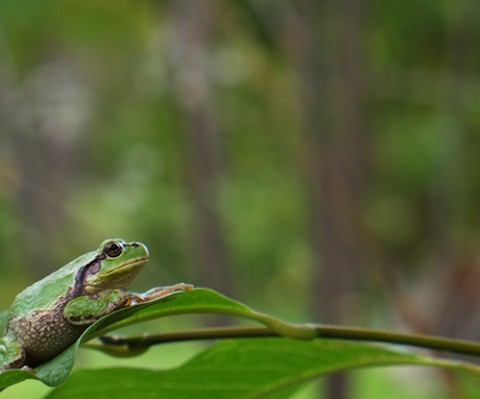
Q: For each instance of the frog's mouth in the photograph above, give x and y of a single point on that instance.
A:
(132, 265)
(119, 277)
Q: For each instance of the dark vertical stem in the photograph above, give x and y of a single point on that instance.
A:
(324, 40)
(192, 29)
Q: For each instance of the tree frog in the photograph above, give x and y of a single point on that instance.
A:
(50, 315)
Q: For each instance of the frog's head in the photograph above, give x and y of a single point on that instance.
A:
(116, 264)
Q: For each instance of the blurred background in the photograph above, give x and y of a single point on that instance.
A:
(318, 160)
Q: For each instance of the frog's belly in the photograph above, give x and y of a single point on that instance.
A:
(44, 334)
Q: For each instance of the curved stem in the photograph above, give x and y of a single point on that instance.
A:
(322, 331)
(418, 340)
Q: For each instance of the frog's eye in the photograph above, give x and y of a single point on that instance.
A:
(112, 249)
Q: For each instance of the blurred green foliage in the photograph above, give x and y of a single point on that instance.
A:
(121, 118)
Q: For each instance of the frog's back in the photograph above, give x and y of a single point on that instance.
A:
(51, 288)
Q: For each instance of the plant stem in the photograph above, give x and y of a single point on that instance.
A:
(419, 340)
(322, 331)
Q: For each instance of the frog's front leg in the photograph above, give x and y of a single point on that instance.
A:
(86, 309)
(12, 354)
(159, 292)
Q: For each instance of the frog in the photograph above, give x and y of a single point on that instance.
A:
(50, 315)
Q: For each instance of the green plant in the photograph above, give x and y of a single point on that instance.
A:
(269, 361)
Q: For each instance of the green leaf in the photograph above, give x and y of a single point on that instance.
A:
(199, 300)
(57, 370)
(247, 359)
(244, 368)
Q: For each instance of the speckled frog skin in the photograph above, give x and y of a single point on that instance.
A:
(51, 314)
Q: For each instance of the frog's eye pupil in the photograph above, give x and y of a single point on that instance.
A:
(112, 249)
